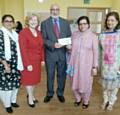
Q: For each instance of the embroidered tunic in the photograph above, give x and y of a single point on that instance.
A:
(9, 81)
(84, 56)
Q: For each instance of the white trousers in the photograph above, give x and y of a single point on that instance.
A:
(8, 97)
(110, 96)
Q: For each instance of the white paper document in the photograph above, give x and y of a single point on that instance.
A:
(64, 41)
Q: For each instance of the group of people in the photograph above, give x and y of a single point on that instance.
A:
(90, 54)
(21, 57)
(20, 61)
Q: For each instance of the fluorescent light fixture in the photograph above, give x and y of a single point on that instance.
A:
(41, 1)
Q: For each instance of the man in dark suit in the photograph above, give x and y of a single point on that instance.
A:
(52, 29)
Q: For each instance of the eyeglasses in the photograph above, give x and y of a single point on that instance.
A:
(54, 9)
(80, 24)
(7, 21)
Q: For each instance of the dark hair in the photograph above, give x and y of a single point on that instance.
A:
(116, 15)
(83, 18)
(18, 27)
(7, 15)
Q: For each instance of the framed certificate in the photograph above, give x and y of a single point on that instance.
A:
(64, 41)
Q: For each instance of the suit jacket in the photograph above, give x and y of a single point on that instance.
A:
(50, 38)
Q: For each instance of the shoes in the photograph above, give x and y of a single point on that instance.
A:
(9, 109)
(35, 101)
(109, 107)
(14, 105)
(104, 105)
(47, 99)
(76, 104)
(61, 99)
(30, 105)
(85, 106)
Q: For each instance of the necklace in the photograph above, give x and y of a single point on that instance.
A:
(34, 32)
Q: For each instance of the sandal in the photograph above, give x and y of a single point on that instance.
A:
(85, 106)
(76, 104)
(35, 101)
(104, 105)
(109, 108)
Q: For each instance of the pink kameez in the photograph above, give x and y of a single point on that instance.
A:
(84, 56)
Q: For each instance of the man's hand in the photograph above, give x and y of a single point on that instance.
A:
(57, 45)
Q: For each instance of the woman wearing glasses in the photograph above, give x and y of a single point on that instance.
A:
(10, 63)
(83, 62)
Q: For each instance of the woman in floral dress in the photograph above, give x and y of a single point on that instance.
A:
(10, 63)
(110, 60)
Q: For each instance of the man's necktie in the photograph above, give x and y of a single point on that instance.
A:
(56, 28)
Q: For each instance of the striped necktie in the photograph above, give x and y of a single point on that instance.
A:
(56, 28)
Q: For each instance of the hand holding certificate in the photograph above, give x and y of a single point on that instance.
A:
(64, 41)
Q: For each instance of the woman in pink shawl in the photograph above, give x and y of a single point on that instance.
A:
(83, 61)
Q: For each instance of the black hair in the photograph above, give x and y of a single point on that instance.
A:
(85, 18)
(18, 27)
(7, 15)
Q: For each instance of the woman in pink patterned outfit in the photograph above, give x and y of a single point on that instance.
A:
(109, 42)
(83, 61)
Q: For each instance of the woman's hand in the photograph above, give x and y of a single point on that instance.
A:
(69, 47)
(7, 68)
(30, 68)
(94, 71)
(42, 63)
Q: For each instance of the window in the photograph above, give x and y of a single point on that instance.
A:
(96, 16)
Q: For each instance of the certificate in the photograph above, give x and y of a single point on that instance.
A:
(64, 41)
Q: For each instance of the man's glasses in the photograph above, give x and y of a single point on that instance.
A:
(54, 9)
